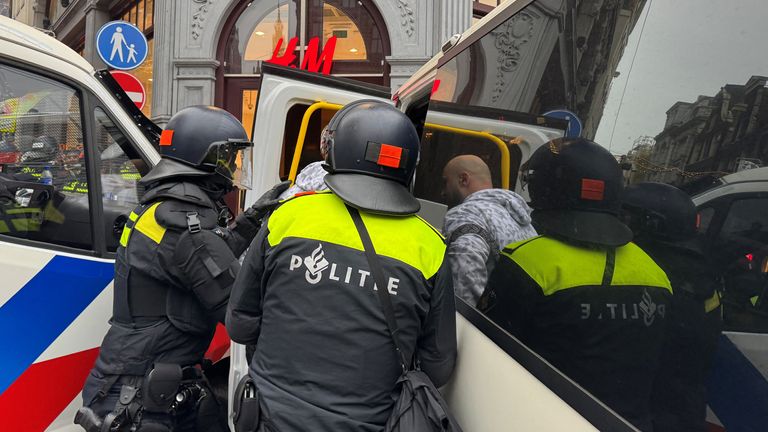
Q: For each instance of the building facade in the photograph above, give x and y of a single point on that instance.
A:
(714, 136)
(210, 51)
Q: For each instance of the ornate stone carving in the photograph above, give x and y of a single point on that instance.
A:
(407, 17)
(198, 18)
(508, 40)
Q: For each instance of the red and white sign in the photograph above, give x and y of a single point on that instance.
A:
(132, 87)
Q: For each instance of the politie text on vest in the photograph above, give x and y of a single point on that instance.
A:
(316, 264)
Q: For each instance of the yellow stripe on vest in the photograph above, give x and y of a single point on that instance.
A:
(146, 224)
(127, 230)
(556, 265)
(125, 236)
(324, 217)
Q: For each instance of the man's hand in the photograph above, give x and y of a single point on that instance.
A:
(266, 202)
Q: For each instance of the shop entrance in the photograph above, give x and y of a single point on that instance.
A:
(256, 28)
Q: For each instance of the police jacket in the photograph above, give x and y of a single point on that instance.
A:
(173, 275)
(324, 359)
(598, 315)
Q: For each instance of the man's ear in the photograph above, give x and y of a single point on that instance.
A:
(464, 179)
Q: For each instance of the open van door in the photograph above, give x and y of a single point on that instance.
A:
(292, 109)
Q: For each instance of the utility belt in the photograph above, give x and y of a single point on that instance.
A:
(166, 389)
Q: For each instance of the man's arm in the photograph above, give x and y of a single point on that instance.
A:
(468, 255)
(244, 311)
(436, 348)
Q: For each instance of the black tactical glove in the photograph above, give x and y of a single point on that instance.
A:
(247, 224)
(266, 203)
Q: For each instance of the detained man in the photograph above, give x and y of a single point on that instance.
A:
(481, 220)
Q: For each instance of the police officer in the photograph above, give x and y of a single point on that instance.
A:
(663, 219)
(173, 275)
(581, 294)
(324, 358)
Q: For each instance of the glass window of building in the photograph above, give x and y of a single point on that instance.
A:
(261, 30)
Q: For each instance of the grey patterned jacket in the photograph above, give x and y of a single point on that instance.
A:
(311, 178)
(477, 230)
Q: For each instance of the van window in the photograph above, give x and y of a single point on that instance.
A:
(311, 150)
(43, 182)
(120, 169)
(742, 248)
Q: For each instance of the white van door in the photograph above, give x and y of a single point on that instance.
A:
(293, 107)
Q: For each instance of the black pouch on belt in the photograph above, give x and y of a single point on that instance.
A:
(247, 412)
(160, 387)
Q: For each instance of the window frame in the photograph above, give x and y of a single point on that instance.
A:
(97, 104)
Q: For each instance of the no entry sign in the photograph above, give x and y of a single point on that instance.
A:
(132, 87)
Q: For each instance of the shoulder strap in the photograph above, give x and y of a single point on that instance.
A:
(510, 250)
(378, 276)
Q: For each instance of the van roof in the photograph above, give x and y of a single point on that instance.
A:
(29, 37)
(755, 174)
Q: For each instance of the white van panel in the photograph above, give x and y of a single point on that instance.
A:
(276, 96)
(490, 391)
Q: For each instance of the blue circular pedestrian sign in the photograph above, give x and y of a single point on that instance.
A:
(121, 45)
(574, 124)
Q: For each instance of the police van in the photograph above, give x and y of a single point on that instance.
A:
(530, 71)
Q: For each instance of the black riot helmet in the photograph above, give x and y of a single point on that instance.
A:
(373, 150)
(575, 187)
(660, 211)
(203, 141)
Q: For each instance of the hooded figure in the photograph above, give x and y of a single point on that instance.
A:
(480, 223)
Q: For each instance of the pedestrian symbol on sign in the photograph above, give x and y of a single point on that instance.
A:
(122, 45)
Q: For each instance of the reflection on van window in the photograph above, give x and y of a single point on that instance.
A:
(742, 250)
(120, 175)
(677, 92)
(43, 182)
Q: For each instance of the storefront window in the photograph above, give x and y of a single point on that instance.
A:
(257, 32)
(253, 36)
(350, 44)
(263, 25)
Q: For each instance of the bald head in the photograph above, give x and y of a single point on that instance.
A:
(463, 176)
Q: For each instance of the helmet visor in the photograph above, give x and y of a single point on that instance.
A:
(232, 159)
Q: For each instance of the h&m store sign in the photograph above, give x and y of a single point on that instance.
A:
(313, 57)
